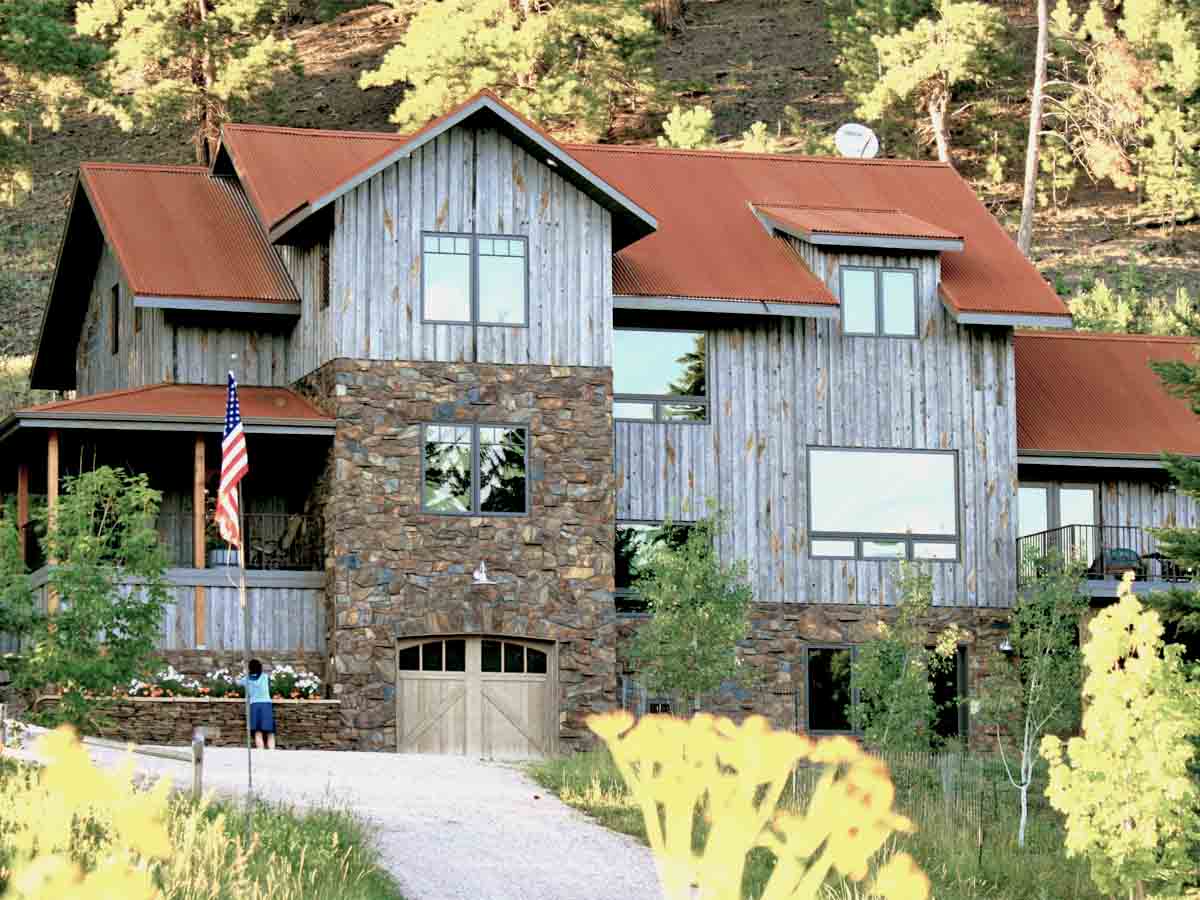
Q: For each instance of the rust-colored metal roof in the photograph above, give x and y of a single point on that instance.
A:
(174, 402)
(1092, 394)
(710, 244)
(837, 220)
(177, 232)
(284, 169)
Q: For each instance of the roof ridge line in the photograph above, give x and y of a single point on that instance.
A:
(786, 204)
(325, 132)
(780, 157)
(146, 167)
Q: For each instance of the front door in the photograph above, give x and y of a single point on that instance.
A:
(494, 698)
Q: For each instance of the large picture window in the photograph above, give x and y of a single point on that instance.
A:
(883, 504)
(634, 552)
(480, 279)
(660, 376)
(880, 302)
(474, 470)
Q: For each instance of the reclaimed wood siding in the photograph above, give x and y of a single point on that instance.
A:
(779, 385)
(468, 181)
(1145, 504)
(204, 354)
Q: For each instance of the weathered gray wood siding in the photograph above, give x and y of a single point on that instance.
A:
(166, 346)
(780, 385)
(467, 180)
(1145, 504)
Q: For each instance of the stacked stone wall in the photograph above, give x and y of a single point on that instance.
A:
(299, 724)
(395, 571)
(773, 653)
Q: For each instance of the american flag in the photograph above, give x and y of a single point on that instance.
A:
(234, 466)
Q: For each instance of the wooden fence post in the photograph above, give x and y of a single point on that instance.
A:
(197, 763)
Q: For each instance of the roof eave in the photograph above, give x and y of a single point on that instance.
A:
(636, 221)
(219, 304)
(1006, 319)
(731, 306)
(131, 421)
(1092, 460)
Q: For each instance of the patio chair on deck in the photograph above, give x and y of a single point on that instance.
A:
(1119, 560)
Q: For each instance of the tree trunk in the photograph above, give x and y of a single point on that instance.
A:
(1028, 198)
(1024, 813)
(938, 104)
(207, 77)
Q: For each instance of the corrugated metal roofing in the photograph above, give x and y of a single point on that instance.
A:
(710, 244)
(284, 169)
(188, 401)
(837, 220)
(1096, 394)
(177, 232)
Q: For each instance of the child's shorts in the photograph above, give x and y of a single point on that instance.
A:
(262, 718)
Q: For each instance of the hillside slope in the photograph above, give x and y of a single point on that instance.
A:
(746, 59)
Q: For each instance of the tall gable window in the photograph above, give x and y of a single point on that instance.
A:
(660, 376)
(881, 302)
(114, 320)
(883, 504)
(474, 279)
(474, 470)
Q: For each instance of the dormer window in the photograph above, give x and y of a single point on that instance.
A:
(879, 302)
(474, 279)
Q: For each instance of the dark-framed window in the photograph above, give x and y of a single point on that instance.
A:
(883, 504)
(829, 687)
(950, 693)
(634, 549)
(114, 322)
(480, 279)
(474, 469)
(323, 276)
(879, 301)
(660, 375)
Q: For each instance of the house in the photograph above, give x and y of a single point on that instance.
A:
(473, 344)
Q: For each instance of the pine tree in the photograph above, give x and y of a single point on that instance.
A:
(927, 63)
(687, 129)
(44, 66)
(194, 60)
(568, 65)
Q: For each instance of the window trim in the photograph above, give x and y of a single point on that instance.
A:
(808, 692)
(878, 272)
(629, 593)
(473, 255)
(909, 538)
(475, 510)
(660, 400)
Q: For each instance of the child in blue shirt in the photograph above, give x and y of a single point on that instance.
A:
(262, 713)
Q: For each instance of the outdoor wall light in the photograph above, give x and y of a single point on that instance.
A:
(1006, 647)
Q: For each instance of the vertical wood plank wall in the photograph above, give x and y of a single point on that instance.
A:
(781, 385)
(1144, 503)
(467, 180)
(169, 346)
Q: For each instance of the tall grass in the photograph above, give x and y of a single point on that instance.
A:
(965, 817)
(290, 854)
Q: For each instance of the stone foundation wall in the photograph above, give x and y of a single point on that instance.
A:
(779, 633)
(299, 724)
(396, 571)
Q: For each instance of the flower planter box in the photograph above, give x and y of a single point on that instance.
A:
(299, 724)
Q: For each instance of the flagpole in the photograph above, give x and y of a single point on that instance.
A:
(245, 605)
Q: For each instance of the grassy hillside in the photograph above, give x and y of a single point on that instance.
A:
(746, 59)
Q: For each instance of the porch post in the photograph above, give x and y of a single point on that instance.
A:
(22, 502)
(201, 608)
(51, 502)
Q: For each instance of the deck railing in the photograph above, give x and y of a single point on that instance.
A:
(1104, 552)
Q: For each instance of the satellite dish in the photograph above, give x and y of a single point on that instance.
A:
(856, 141)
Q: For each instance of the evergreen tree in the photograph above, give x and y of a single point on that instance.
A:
(928, 63)
(44, 65)
(1125, 310)
(194, 60)
(568, 64)
(854, 23)
(687, 129)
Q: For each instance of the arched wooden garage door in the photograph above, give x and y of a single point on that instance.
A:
(492, 697)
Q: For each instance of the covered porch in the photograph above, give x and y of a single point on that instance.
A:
(172, 434)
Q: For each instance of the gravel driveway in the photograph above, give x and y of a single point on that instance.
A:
(448, 828)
